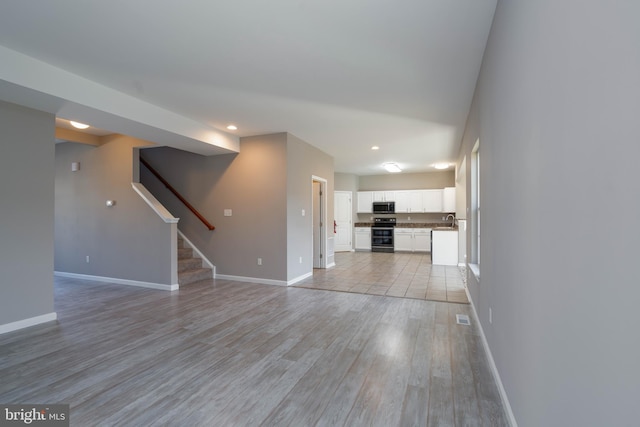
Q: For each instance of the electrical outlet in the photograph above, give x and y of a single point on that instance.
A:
(259, 261)
(87, 259)
(490, 315)
(300, 260)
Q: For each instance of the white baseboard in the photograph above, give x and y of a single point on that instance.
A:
(25, 323)
(262, 281)
(116, 281)
(299, 278)
(494, 369)
(333, 264)
(251, 280)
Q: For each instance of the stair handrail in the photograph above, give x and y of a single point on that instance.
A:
(175, 193)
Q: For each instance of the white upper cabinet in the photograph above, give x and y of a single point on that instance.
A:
(365, 201)
(410, 201)
(384, 196)
(449, 199)
(416, 201)
(432, 200)
(402, 201)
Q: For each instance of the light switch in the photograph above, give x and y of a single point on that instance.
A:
(303, 212)
(228, 212)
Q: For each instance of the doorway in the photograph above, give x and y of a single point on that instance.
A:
(319, 219)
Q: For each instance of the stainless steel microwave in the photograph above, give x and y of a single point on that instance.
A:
(384, 207)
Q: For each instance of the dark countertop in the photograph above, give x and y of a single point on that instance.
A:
(410, 224)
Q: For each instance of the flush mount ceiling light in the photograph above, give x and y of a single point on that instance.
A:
(232, 127)
(78, 125)
(392, 167)
(375, 147)
(441, 166)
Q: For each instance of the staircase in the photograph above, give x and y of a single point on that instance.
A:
(190, 269)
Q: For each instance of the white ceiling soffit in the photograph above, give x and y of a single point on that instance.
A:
(343, 76)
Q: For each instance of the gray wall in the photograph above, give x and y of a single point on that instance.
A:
(266, 186)
(346, 182)
(127, 241)
(303, 162)
(26, 213)
(407, 181)
(556, 111)
(253, 184)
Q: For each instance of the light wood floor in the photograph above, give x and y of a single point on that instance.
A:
(222, 353)
(400, 274)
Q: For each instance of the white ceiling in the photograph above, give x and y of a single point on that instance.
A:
(341, 75)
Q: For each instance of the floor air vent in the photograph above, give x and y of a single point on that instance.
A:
(462, 319)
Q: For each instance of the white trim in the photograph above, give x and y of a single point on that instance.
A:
(494, 369)
(200, 254)
(154, 203)
(475, 269)
(257, 280)
(25, 323)
(116, 281)
(333, 264)
(262, 281)
(299, 278)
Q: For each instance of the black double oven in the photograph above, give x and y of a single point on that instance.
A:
(382, 234)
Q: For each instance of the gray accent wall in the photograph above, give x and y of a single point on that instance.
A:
(26, 213)
(265, 187)
(128, 241)
(303, 162)
(556, 110)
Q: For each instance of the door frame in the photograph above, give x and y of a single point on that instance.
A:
(323, 220)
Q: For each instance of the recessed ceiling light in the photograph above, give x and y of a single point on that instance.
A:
(232, 127)
(392, 167)
(375, 147)
(441, 165)
(78, 125)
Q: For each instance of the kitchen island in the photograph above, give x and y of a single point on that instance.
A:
(444, 246)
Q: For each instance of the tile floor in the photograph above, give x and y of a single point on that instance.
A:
(404, 275)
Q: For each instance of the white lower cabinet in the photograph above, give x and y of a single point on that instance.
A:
(363, 238)
(403, 239)
(422, 239)
(412, 239)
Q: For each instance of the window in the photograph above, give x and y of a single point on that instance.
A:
(475, 210)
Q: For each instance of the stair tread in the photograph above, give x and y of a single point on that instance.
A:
(185, 264)
(195, 275)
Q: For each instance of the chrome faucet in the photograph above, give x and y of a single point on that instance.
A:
(453, 220)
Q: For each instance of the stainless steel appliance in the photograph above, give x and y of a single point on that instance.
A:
(384, 207)
(382, 234)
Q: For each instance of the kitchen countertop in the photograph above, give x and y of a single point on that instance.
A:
(411, 225)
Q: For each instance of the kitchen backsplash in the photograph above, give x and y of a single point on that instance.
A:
(408, 218)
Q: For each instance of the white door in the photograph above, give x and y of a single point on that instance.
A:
(342, 214)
